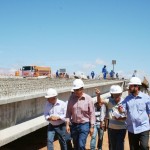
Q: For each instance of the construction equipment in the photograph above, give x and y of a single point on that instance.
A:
(36, 71)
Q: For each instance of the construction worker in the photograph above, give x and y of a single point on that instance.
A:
(55, 112)
(116, 126)
(104, 71)
(92, 74)
(80, 113)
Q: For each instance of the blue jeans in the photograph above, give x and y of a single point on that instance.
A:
(139, 141)
(60, 131)
(79, 133)
(117, 137)
(69, 141)
(100, 132)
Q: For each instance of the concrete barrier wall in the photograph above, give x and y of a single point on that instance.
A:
(17, 110)
(22, 115)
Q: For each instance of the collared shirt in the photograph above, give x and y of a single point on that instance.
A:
(58, 109)
(138, 110)
(112, 106)
(80, 110)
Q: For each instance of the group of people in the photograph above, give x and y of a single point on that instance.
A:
(111, 74)
(74, 120)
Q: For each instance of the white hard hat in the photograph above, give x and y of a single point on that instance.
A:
(115, 89)
(51, 93)
(77, 84)
(72, 90)
(135, 81)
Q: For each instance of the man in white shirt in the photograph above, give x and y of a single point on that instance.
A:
(55, 113)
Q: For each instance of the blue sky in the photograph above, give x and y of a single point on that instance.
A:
(79, 35)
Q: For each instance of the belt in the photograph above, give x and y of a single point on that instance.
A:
(73, 123)
(63, 124)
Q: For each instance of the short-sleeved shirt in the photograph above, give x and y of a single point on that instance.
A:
(138, 110)
(111, 106)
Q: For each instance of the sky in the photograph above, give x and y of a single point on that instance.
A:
(79, 35)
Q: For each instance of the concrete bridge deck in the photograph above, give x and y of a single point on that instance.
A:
(14, 87)
(22, 102)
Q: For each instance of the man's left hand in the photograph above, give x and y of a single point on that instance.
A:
(91, 131)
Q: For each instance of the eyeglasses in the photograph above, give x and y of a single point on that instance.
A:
(134, 85)
(116, 95)
(52, 98)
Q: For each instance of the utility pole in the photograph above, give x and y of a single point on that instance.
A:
(113, 63)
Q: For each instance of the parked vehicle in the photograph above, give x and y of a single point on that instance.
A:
(36, 71)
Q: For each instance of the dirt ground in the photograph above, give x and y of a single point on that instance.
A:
(37, 141)
(105, 144)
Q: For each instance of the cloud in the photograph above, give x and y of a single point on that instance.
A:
(7, 71)
(88, 66)
(140, 73)
(3, 70)
(100, 62)
(122, 74)
(95, 63)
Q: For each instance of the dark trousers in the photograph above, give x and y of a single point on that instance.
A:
(109, 144)
(117, 137)
(139, 141)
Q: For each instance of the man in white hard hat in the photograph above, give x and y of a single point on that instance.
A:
(116, 125)
(80, 112)
(55, 112)
(137, 107)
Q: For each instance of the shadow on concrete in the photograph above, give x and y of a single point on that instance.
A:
(32, 141)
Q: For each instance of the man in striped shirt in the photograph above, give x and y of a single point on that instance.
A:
(98, 128)
(116, 127)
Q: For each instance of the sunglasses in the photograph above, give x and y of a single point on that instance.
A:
(116, 95)
(134, 85)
